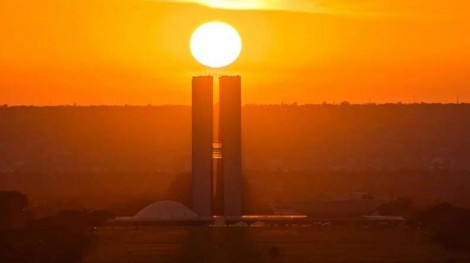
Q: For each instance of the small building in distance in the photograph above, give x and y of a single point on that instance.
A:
(163, 211)
(333, 206)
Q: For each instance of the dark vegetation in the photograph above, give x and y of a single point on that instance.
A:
(122, 158)
(13, 213)
(446, 224)
(402, 206)
(64, 236)
(59, 238)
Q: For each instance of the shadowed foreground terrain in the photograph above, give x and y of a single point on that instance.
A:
(265, 244)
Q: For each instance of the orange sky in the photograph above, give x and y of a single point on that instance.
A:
(307, 51)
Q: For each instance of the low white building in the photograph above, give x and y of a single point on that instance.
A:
(163, 211)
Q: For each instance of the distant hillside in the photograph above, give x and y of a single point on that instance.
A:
(277, 137)
(418, 136)
(95, 138)
(110, 154)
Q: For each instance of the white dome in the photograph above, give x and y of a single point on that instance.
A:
(166, 211)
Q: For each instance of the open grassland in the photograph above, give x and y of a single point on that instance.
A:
(266, 244)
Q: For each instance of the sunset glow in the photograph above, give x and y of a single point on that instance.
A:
(225, 131)
(215, 44)
(136, 52)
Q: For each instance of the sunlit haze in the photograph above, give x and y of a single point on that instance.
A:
(215, 44)
(223, 131)
(136, 52)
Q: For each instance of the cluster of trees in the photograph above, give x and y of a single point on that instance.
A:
(59, 238)
(446, 224)
(13, 214)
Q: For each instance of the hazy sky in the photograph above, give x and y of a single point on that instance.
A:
(306, 51)
(344, 7)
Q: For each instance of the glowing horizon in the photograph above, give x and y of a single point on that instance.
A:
(136, 52)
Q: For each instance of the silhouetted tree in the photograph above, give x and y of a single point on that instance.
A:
(56, 239)
(446, 224)
(403, 206)
(13, 213)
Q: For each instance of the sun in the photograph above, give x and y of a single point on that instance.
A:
(215, 44)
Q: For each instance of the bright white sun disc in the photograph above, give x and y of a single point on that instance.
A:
(215, 44)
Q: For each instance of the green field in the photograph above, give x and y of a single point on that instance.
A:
(266, 244)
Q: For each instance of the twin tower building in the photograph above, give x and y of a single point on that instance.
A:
(216, 148)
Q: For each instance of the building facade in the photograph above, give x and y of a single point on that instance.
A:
(202, 138)
(230, 138)
(216, 165)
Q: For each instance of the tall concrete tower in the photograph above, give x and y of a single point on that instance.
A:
(230, 137)
(216, 165)
(202, 138)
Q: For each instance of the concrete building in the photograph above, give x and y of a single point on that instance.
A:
(166, 210)
(216, 158)
(202, 138)
(216, 163)
(230, 137)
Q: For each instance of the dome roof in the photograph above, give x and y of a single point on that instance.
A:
(166, 211)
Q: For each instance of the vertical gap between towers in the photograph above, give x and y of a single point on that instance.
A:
(216, 140)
